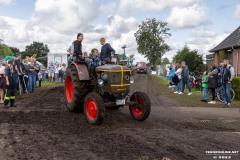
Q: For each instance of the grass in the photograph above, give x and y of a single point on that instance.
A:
(185, 100)
(48, 85)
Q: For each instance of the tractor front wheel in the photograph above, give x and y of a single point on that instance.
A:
(94, 108)
(141, 110)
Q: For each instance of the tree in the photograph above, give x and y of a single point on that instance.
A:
(150, 39)
(14, 50)
(193, 60)
(131, 58)
(5, 50)
(165, 61)
(37, 48)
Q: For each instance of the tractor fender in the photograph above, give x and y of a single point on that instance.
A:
(82, 70)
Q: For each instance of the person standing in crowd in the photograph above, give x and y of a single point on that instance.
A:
(17, 69)
(51, 72)
(26, 66)
(43, 68)
(172, 72)
(167, 75)
(205, 86)
(213, 81)
(185, 78)
(178, 73)
(11, 85)
(56, 75)
(77, 54)
(63, 68)
(32, 76)
(21, 77)
(37, 68)
(2, 79)
(227, 77)
(106, 51)
(40, 78)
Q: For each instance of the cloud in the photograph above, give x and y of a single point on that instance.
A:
(128, 7)
(6, 2)
(66, 16)
(236, 13)
(203, 32)
(188, 17)
(108, 8)
(204, 44)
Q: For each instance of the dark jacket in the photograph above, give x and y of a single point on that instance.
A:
(106, 51)
(185, 73)
(77, 48)
(213, 81)
(226, 74)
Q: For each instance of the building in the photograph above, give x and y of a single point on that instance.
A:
(59, 58)
(229, 49)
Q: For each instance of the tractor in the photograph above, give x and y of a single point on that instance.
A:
(109, 89)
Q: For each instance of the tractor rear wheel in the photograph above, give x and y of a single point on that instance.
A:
(94, 108)
(142, 109)
(75, 90)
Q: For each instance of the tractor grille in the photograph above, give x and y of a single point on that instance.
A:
(116, 78)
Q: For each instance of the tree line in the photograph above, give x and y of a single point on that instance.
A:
(150, 38)
(38, 48)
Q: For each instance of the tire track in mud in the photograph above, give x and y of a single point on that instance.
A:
(147, 83)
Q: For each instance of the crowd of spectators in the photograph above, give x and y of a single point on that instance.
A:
(26, 75)
(222, 75)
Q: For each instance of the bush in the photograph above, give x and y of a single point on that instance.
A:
(235, 86)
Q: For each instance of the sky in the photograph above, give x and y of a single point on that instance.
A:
(199, 24)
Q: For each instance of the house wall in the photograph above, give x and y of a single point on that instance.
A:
(216, 58)
(234, 60)
(234, 64)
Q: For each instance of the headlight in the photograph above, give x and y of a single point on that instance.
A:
(131, 80)
(100, 81)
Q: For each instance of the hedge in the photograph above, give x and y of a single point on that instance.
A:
(236, 86)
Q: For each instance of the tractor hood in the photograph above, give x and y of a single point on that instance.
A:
(112, 68)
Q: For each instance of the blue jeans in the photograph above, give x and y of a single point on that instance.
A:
(179, 87)
(205, 94)
(32, 82)
(56, 75)
(43, 76)
(226, 88)
(186, 82)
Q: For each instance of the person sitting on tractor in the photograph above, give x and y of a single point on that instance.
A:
(77, 54)
(106, 51)
(95, 61)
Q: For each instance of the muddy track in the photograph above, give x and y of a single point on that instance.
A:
(42, 128)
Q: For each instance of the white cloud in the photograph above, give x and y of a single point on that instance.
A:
(65, 16)
(203, 45)
(130, 6)
(203, 33)
(108, 8)
(188, 17)
(6, 2)
(236, 13)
